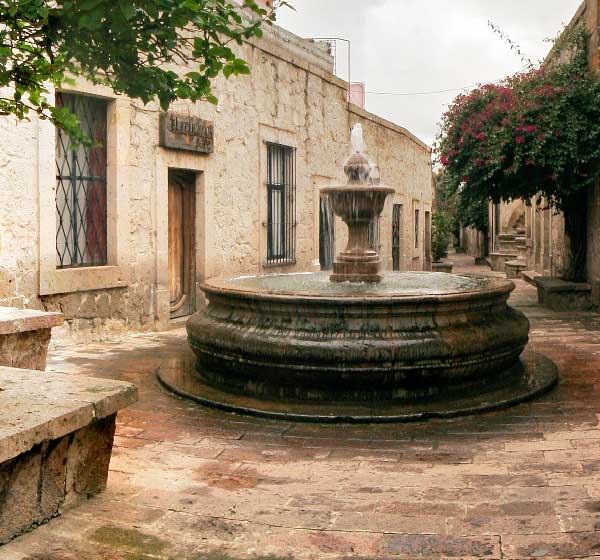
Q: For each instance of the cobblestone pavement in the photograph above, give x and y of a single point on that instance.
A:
(190, 483)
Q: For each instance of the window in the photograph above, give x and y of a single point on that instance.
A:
(81, 186)
(281, 199)
(396, 235)
(417, 229)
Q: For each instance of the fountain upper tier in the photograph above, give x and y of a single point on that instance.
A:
(358, 204)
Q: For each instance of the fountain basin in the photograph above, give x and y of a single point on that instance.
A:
(413, 337)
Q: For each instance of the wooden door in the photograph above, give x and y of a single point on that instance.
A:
(182, 265)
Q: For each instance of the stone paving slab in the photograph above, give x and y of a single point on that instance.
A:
(196, 484)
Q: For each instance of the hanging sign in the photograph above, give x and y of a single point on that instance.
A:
(180, 132)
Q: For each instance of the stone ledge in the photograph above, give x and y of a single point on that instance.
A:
(38, 407)
(13, 320)
(56, 438)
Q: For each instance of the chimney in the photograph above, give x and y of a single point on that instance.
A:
(356, 94)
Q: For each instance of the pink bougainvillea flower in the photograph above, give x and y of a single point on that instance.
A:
(531, 128)
(452, 153)
(520, 139)
(541, 137)
(478, 162)
(528, 162)
(518, 128)
(444, 160)
(480, 136)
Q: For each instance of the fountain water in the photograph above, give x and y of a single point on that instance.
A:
(360, 346)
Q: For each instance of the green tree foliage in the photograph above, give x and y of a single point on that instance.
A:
(462, 211)
(535, 135)
(441, 233)
(130, 45)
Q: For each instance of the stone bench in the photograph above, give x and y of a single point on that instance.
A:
(529, 276)
(442, 267)
(24, 337)
(561, 295)
(56, 436)
(500, 259)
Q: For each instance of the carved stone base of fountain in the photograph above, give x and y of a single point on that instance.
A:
(359, 346)
(416, 342)
(356, 271)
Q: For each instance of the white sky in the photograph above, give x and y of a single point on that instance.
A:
(426, 45)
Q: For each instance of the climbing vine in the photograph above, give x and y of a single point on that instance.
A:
(535, 135)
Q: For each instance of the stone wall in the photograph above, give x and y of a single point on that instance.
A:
(473, 242)
(290, 98)
(590, 12)
(54, 476)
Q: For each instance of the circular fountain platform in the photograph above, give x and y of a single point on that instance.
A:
(416, 345)
(533, 376)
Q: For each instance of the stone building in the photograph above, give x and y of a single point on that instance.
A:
(120, 237)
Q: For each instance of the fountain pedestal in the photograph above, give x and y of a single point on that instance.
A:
(358, 206)
(359, 203)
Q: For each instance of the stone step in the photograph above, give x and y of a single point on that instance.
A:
(506, 236)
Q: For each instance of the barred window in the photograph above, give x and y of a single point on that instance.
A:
(81, 186)
(281, 202)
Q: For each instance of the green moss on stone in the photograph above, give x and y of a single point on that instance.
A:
(129, 539)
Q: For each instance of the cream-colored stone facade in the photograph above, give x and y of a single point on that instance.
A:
(291, 98)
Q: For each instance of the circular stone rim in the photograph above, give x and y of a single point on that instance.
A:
(498, 287)
(539, 368)
(382, 189)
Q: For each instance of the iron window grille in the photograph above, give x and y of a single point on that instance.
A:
(281, 202)
(396, 235)
(81, 208)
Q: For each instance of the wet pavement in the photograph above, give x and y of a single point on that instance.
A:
(187, 482)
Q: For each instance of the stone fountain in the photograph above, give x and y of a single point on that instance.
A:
(358, 203)
(359, 346)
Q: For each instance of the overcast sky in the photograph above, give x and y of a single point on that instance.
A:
(408, 46)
